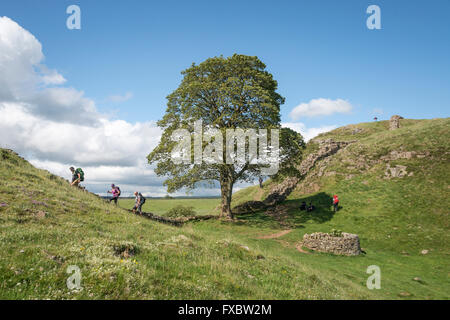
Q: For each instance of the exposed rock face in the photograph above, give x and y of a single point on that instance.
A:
(395, 155)
(395, 172)
(394, 122)
(347, 244)
(280, 192)
(357, 130)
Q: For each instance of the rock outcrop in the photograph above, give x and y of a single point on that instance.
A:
(395, 155)
(347, 244)
(394, 122)
(396, 172)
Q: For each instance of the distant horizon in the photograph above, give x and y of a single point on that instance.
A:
(129, 194)
(96, 105)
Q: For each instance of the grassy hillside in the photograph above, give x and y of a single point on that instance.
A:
(45, 226)
(396, 218)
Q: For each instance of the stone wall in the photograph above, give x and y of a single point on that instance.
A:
(282, 190)
(347, 244)
(175, 221)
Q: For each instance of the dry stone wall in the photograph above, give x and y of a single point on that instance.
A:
(347, 244)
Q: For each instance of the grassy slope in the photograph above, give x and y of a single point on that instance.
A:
(402, 218)
(396, 219)
(197, 261)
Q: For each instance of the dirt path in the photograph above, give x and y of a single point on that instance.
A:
(275, 235)
(299, 248)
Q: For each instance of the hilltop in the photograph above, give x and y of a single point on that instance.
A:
(393, 186)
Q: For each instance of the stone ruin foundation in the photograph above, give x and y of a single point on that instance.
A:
(347, 244)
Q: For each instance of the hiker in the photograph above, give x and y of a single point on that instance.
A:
(77, 176)
(115, 190)
(139, 202)
(335, 203)
(303, 206)
(310, 208)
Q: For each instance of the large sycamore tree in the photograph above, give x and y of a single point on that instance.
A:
(224, 93)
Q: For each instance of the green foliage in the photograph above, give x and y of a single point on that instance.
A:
(181, 211)
(225, 93)
(292, 146)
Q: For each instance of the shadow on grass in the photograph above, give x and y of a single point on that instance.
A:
(323, 208)
(258, 219)
(294, 217)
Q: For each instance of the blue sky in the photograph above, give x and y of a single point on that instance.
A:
(314, 49)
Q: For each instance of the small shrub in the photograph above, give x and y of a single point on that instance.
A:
(336, 233)
(181, 211)
(8, 157)
(5, 155)
(125, 249)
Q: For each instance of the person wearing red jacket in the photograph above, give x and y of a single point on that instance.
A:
(335, 203)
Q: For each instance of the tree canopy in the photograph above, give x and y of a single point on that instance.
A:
(225, 94)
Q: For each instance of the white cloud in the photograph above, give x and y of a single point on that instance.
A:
(307, 133)
(114, 142)
(20, 52)
(51, 77)
(57, 127)
(320, 107)
(119, 98)
(25, 80)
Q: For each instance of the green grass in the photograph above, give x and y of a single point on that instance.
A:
(161, 206)
(396, 219)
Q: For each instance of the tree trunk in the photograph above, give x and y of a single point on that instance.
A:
(226, 188)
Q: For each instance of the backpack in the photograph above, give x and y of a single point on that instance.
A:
(142, 198)
(118, 189)
(80, 171)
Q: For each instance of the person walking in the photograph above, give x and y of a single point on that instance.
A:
(115, 191)
(138, 203)
(77, 176)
